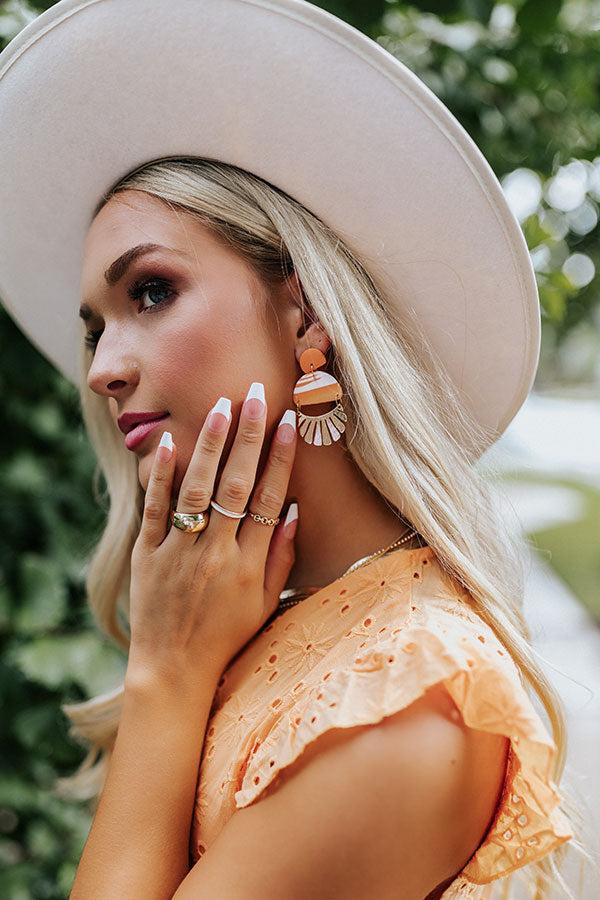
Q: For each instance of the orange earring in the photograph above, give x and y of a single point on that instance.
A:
(318, 387)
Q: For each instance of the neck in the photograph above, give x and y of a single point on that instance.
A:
(341, 516)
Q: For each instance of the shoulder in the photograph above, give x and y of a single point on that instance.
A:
(413, 794)
(405, 801)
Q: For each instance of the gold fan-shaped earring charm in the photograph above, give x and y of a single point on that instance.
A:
(318, 387)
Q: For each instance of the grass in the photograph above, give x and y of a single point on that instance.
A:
(574, 547)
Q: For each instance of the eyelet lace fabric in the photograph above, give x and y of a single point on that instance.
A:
(363, 648)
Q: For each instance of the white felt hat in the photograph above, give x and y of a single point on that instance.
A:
(92, 89)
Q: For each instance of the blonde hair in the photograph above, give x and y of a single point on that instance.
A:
(407, 432)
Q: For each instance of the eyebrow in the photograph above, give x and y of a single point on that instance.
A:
(119, 267)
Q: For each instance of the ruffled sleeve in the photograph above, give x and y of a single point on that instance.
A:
(439, 641)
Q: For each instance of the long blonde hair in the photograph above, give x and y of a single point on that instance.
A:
(407, 432)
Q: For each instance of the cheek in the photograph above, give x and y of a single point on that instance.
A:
(201, 351)
(113, 409)
(208, 357)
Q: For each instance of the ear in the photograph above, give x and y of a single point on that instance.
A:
(308, 330)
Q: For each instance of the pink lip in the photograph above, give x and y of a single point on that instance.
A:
(135, 437)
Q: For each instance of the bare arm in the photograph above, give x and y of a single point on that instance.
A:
(138, 845)
(392, 810)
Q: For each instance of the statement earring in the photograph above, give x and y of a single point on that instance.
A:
(318, 387)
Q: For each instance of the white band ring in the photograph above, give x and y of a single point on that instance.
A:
(227, 512)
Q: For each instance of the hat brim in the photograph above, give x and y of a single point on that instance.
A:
(92, 89)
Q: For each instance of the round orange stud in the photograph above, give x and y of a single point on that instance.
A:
(311, 359)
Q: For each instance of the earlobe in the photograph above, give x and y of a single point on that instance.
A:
(312, 336)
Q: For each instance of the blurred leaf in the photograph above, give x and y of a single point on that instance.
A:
(535, 233)
(66, 877)
(42, 840)
(17, 794)
(33, 724)
(43, 598)
(363, 16)
(13, 17)
(437, 7)
(82, 658)
(47, 420)
(537, 16)
(4, 607)
(26, 474)
(480, 10)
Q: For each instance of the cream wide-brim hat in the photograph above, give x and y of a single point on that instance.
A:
(92, 89)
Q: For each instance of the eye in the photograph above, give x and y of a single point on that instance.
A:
(151, 293)
(92, 338)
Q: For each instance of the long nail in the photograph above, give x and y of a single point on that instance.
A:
(255, 400)
(285, 433)
(220, 415)
(291, 521)
(165, 447)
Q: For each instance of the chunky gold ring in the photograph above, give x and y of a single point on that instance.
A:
(264, 520)
(190, 522)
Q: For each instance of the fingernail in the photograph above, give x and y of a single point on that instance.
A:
(287, 427)
(220, 415)
(291, 521)
(165, 447)
(255, 400)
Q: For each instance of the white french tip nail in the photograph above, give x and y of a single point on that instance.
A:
(166, 440)
(289, 418)
(256, 392)
(292, 514)
(223, 406)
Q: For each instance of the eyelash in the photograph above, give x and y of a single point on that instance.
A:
(135, 292)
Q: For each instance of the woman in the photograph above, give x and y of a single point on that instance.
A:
(369, 735)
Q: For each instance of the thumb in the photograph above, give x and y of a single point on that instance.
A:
(280, 557)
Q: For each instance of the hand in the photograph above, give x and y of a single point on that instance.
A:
(197, 599)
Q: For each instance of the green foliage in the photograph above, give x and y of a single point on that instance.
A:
(534, 17)
(363, 15)
(49, 651)
(522, 78)
(523, 82)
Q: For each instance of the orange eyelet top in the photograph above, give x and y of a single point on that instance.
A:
(362, 648)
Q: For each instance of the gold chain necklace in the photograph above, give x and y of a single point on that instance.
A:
(291, 596)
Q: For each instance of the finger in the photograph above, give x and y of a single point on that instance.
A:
(239, 473)
(280, 558)
(269, 494)
(198, 482)
(157, 503)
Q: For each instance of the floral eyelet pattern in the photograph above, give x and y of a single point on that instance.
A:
(360, 649)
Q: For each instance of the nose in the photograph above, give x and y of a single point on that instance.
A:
(114, 369)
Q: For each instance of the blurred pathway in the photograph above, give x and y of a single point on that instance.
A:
(560, 436)
(552, 435)
(569, 644)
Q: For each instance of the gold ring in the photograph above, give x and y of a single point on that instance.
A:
(264, 520)
(190, 522)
